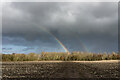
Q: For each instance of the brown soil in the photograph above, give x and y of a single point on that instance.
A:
(61, 69)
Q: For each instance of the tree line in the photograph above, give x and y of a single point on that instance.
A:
(74, 56)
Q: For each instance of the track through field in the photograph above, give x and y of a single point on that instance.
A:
(60, 69)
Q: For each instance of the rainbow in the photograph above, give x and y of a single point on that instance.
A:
(66, 50)
(62, 45)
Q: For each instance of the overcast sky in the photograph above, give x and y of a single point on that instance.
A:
(30, 26)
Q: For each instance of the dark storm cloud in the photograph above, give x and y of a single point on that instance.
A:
(95, 24)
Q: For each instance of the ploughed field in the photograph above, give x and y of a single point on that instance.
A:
(61, 69)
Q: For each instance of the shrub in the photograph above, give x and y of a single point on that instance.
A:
(60, 56)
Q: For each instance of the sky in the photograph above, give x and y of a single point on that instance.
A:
(79, 26)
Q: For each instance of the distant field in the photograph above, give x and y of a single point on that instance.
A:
(61, 69)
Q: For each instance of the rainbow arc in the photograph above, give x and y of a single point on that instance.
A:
(62, 45)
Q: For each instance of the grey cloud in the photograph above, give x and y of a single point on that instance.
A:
(28, 48)
(32, 22)
(6, 48)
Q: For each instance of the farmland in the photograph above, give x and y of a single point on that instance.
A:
(61, 69)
